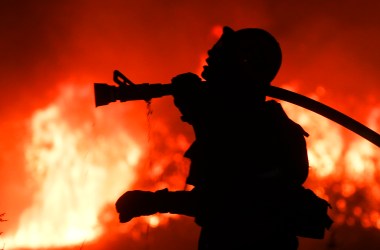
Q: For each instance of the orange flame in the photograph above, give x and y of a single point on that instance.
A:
(76, 172)
(82, 160)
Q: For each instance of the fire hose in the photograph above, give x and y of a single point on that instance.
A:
(128, 91)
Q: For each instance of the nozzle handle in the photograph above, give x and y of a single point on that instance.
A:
(121, 79)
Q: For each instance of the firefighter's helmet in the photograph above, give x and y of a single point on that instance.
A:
(252, 53)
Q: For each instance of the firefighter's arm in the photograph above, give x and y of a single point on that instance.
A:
(137, 203)
(188, 91)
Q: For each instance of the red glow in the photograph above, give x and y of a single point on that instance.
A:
(64, 162)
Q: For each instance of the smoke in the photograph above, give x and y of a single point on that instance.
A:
(329, 47)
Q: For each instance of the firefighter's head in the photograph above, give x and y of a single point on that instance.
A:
(247, 55)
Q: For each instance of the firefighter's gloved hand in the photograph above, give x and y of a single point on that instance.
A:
(187, 93)
(138, 203)
(185, 84)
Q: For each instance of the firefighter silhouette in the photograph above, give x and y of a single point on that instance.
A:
(249, 159)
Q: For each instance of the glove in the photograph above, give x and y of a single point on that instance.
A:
(138, 203)
(185, 84)
(187, 93)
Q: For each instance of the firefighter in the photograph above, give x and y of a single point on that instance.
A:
(248, 157)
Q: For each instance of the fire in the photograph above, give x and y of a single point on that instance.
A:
(75, 172)
(344, 169)
(81, 159)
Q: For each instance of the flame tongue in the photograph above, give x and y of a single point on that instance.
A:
(76, 175)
